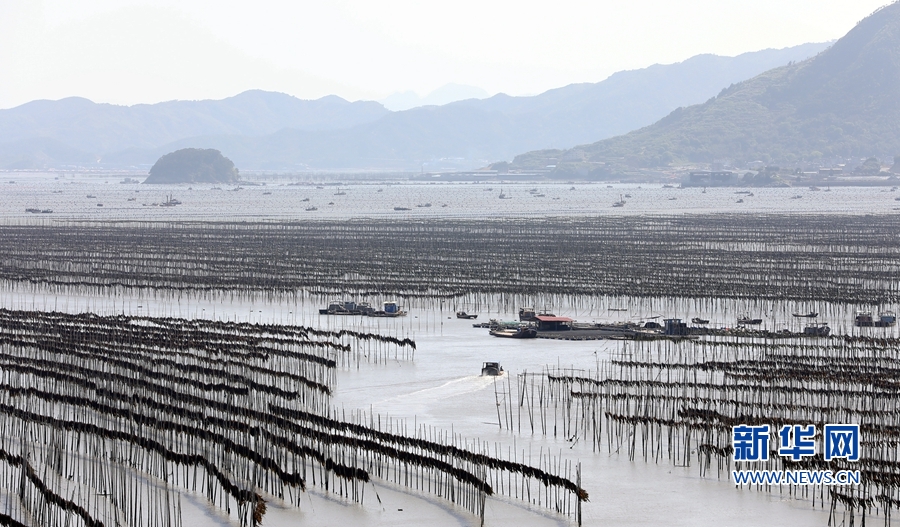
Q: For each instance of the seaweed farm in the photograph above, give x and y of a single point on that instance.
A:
(845, 259)
(180, 372)
(677, 405)
(118, 411)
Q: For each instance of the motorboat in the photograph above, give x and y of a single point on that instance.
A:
(492, 369)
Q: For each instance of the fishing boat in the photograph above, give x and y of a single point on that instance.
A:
(492, 369)
(817, 330)
(347, 308)
(402, 208)
(747, 321)
(528, 314)
(521, 332)
(811, 314)
(620, 203)
(466, 316)
(698, 320)
(170, 202)
(389, 309)
(885, 319)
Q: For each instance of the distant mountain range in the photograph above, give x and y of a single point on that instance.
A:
(263, 130)
(58, 129)
(446, 94)
(843, 102)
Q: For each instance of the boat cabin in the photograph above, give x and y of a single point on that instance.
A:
(550, 323)
(491, 368)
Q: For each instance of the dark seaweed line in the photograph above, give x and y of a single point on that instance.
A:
(839, 258)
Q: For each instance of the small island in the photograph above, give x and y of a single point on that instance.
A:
(193, 165)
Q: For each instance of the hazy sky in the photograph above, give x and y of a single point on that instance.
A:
(135, 51)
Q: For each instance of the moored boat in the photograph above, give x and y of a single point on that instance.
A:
(817, 330)
(698, 320)
(811, 314)
(466, 316)
(747, 321)
(885, 319)
(347, 308)
(389, 309)
(528, 314)
(522, 332)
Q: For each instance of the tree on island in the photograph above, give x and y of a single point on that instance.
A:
(193, 165)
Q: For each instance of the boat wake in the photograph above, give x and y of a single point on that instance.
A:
(456, 387)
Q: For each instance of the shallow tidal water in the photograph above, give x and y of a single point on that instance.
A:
(286, 199)
(440, 389)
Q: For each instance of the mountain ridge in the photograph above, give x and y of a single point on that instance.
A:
(102, 127)
(470, 133)
(844, 101)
